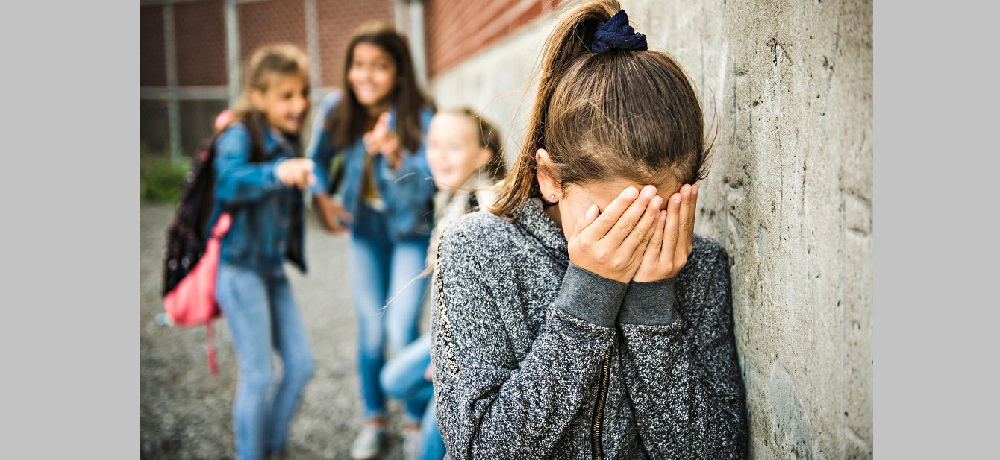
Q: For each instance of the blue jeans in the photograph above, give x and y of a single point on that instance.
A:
(262, 315)
(388, 291)
(403, 378)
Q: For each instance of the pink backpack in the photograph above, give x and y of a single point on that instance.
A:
(192, 301)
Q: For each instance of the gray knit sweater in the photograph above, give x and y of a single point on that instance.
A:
(534, 355)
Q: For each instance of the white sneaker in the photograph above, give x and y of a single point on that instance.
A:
(368, 444)
(411, 444)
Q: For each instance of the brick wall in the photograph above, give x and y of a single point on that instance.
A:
(457, 30)
(200, 35)
(336, 22)
(152, 55)
(202, 62)
(269, 22)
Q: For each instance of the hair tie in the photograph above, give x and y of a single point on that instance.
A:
(616, 33)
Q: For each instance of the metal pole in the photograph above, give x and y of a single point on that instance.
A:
(173, 105)
(233, 50)
(417, 42)
(312, 45)
(400, 16)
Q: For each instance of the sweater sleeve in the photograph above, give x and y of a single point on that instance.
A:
(491, 403)
(681, 368)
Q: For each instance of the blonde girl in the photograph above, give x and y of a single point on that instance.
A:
(466, 160)
(260, 181)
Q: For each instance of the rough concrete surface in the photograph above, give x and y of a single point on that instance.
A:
(185, 412)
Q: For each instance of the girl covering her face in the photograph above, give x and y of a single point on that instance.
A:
(581, 317)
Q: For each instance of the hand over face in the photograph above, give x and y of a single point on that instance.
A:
(633, 239)
(668, 250)
(613, 243)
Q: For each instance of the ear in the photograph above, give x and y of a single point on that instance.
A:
(550, 187)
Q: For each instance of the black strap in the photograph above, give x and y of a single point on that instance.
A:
(473, 202)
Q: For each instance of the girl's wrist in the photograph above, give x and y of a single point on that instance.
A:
(394, 159)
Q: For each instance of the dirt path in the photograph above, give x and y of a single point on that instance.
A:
(185, 412)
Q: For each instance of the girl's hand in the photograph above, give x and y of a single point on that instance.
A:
(429, 373)
(296, 172)
(612, 245)
(381, 140)
(331, 213)
(668, 250)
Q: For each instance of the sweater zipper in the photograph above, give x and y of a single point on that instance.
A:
(602, 394)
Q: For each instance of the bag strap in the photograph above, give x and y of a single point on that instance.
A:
(213, 363)
(473, 201)
(449, 351)
(219, 230)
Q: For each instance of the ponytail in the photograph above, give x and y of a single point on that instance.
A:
(607, 107)
(567, 43)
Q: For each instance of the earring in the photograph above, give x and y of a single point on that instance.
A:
(552, 197)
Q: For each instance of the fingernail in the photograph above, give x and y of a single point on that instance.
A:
(686, 190)
(657, 201)
(630, 192)
(648, 191)
(592, 211)
(694, 189)
(676, 198)
(663, 214)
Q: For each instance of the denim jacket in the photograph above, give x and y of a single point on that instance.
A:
(408, 192)
(267, 216)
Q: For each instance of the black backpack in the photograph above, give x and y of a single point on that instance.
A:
(186, 234)
(187, 241)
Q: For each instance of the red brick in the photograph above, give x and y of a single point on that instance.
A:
(456, 31)
(200, 40)
(336, 22)
(271, 22)
(152, 50)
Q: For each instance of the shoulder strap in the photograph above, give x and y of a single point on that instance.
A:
(445, 329)
(473, 201)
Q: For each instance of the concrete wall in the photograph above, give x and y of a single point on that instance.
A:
(789, 195)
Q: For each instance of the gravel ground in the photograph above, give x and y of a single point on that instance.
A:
(185, 412)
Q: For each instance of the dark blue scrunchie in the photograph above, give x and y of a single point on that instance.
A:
(616, 33)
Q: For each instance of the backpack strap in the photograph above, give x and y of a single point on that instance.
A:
(213, 363)
(473, 204)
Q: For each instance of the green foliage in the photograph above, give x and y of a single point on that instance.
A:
(160, 179)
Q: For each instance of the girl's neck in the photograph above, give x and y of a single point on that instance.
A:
(375, 110)
(282, 136)
(470, 183)
(553, 212)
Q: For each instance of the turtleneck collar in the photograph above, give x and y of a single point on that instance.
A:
(533, 219)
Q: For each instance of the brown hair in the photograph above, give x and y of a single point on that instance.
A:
(489, 138)
(617, 114)
(349, 120)
(281, 59)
